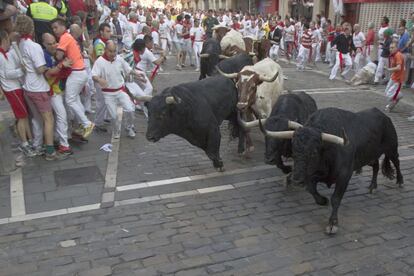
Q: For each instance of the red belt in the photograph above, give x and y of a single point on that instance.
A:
(341, 61)
(78, 69)
(16, 90)
(113, 89)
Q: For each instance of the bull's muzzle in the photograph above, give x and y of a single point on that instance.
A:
(152, 138)
(241, 106)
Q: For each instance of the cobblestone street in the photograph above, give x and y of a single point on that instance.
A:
(162, 209)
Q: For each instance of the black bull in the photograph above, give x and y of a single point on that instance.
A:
(211, 57)
(287, 109)
(195, 111)
(334, 143)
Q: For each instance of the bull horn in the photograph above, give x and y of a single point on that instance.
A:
(143, 98)
(293, 125)
(204, 55)
(252, 54)
(280, 134)
(172, 100)
(332, 139)
(272, 79)
(230, 76)
(250, 124)
(223, 57)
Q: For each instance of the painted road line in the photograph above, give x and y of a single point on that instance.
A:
(201, 191)
(108, 195)
(189, 178)
(17, 204)
(53, 213)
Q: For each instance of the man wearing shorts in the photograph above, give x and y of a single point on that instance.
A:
(10, 73)
(36, 87)
(68, 47)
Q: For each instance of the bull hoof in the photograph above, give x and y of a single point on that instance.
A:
(288, 180)
(323, 201)
(331, 229)
(221, 169)
(372, 187)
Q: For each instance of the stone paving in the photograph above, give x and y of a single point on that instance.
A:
(255, 227)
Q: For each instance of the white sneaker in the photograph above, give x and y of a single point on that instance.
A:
(197, 69)
(130, 132)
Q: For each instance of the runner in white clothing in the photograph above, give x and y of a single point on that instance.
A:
(359, 42)
(110, 72)
(197, 36)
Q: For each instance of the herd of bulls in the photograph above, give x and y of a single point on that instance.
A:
(327, 145)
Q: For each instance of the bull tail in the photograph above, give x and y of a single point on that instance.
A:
(386, 168)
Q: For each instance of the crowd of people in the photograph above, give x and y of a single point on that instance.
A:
(57, 57)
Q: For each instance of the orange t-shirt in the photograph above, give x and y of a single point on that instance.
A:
(72, 50)
(398, 76)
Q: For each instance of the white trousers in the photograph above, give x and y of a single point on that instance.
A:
(392, 89)
(86, 96)
(61, 119)
(347, 62)
(165, 44)
(303, 57)
(316, 52)
(380, 69)
(328, 53)
(359, 60)
(37, 123)
(115, 99)
(187, 47)
(274, 52)
(74, 86)
(197, 46)
(100, 107)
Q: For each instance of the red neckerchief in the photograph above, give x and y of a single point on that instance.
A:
(272, 28)
(133, 21)
(104, 40)
(393, 55)
(26, 37)
(154, 30)
(4, 53)
(385, 25)
(107, 58)
(137, 57)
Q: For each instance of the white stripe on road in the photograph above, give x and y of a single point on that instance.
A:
(108, 196)
(17, 204)
(198, 191)
(189, 178)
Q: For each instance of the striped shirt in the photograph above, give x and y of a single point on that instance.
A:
(307, 39)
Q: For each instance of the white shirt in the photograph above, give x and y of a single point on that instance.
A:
(155, 37)
(290, 33)
(317, 36)
(33, 57)
(178, 31)
(358, 39)
(146, 62)
(198, 33)
(113, 72)
(249, 31)
(164, 30)
(381, 34)
(10, 71)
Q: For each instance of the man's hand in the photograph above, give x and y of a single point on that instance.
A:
(67, 63)
(103, 83)
(139, 76)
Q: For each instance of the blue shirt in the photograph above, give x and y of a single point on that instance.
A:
(404, 39)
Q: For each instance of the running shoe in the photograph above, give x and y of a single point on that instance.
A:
(88, 130)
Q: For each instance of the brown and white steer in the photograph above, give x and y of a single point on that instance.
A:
(258, 87)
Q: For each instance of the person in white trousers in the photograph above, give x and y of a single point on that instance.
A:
(110, 71)
(197, 33)
(54, 76)
(78, 78)
(358, 39)
(343, 59)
